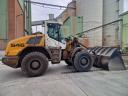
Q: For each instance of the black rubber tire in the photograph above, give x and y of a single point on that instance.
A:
(82, 55)
(97, 64)
(26, 65)
(69, 62)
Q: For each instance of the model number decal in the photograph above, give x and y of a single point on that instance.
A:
(17, 45)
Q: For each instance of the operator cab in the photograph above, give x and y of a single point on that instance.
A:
(55, 37)
(54, 31)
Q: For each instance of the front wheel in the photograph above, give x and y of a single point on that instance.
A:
(83, 61)
(34, 64)
(69, 62)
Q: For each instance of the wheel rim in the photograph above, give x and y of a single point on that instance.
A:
(84, 62)
(35, 64)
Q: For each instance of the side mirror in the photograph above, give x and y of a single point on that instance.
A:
(63, 41)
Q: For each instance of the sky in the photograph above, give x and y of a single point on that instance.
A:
(41, 13)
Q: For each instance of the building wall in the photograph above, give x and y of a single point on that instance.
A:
(91, 10)
(11, 20)
(27, 10)
(97, 13)
(72, 26)
(15, 18)
(67, 12)
(124, 16)
(121, 6)
(110, 14)
(3, 19)
(19, 19)
(3, 23)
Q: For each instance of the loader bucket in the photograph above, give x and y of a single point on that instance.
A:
(108, 58)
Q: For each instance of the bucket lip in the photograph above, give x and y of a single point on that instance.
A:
(114, 55)
(105, 51)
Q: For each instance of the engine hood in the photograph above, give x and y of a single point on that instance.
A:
(17, 45)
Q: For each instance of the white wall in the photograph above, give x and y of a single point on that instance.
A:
(110, 14)
(97, 13)
(91, 10)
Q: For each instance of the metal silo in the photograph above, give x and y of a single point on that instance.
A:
(97, 13)
(92, 13)
(124, 16)
(110, 14)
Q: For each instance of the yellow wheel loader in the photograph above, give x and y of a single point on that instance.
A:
(32, 53)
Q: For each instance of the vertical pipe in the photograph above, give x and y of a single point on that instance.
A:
(29, 17)
(119, 9)
(121, 34)
(7, 20)
(36, 28)
(24, 18)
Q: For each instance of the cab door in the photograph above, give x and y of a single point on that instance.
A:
(54, 37)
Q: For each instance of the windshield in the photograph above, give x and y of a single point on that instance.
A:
(54, 31)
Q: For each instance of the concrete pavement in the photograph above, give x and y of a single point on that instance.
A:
(1, 54)
(59, 82)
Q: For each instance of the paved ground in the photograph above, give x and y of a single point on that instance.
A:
(1, 54)
(58, 82)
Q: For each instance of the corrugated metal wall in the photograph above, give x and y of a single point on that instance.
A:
(125, 32)
(28, 17)
(12, 20)
(72, 26)
(3, 19)
(3, 24)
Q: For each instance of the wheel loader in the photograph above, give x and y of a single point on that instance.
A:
(32, 53)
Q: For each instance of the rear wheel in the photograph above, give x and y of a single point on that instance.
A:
(69, 62)
(34, 64)
(82, 61)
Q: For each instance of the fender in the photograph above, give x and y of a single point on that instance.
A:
(78, 49)
(36, 48)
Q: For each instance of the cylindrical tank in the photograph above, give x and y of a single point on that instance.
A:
(110, 14)
(92, 13)
(96, 13)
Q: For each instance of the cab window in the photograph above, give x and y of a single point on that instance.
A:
(54, 31)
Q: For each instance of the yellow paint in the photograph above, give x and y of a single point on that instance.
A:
(13, 51)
